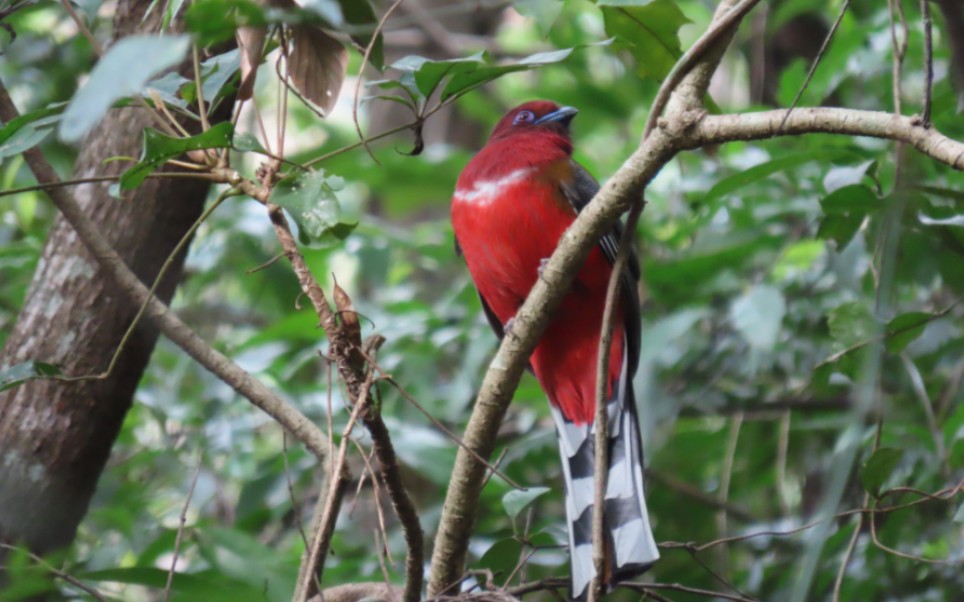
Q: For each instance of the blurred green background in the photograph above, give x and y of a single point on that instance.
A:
(762, 302)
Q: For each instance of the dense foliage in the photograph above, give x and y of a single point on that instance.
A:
(802, 338)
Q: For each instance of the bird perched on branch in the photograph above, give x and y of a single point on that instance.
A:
(511, 205)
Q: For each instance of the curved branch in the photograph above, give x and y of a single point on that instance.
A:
(716, 129)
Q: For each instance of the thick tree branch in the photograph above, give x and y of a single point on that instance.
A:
(716, 129)
(180, 333)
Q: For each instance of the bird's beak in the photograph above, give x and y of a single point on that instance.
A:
(563, 115)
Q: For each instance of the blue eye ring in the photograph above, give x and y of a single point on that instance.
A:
(524, 117)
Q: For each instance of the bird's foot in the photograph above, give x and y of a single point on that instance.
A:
(542, 266)
(507, 327)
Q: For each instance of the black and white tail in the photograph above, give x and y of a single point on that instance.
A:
(628, 533)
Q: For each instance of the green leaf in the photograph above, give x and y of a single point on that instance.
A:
(855, 199)
(310, 199)
(360, 23)
(839, 228)
(123, 71)
(851, 324)
(209, 585)
(768, 168)
(158, 148)
(903, 329)
(516, 500)
(878, 469)
(214, 21)
(27, 136)
(543, 12)
(430, 73)
(246, 142)
(39, 118)
(502, 557)
(757, 315)
(465, 80)
(20, 373)
(649, 30)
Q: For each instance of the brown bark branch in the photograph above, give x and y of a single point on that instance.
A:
(716, 129)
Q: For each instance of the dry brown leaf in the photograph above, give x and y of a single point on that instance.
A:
(349, 317)
(251, 43)
(317, 65)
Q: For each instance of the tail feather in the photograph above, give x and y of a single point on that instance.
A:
(629, 536)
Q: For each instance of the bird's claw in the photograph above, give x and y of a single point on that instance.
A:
(507, 327)
(542, 266)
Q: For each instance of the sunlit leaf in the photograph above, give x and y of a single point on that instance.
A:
(123, 71)
(543, 12)
(757, 315)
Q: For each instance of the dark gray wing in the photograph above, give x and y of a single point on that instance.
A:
(489, 314)
(579, 193)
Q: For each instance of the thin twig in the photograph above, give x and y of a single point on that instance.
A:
(82, 26)
(96, 179)
(783, 447)
(202, 109)
(381, 549)
(944, 495)
(182, 522)
(724, 494)
(59, 574)
(671, 482)
(359, 79)
(601, 426)
(160, 105)
(295, 510)
(920, 391)
(168, 262)
(898, 553)
(644, 587)
(493, 468)
(716, 576)
(925, 10)
(848, 554)
(818, 58)
(338, 481)
(376, 495)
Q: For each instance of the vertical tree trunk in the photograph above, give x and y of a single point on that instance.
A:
(55, 437)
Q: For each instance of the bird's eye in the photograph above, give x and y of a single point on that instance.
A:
(523, 117)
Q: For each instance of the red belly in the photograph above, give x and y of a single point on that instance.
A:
(504, 242)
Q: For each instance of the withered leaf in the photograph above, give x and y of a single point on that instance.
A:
(251, 43)
(317, 65)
